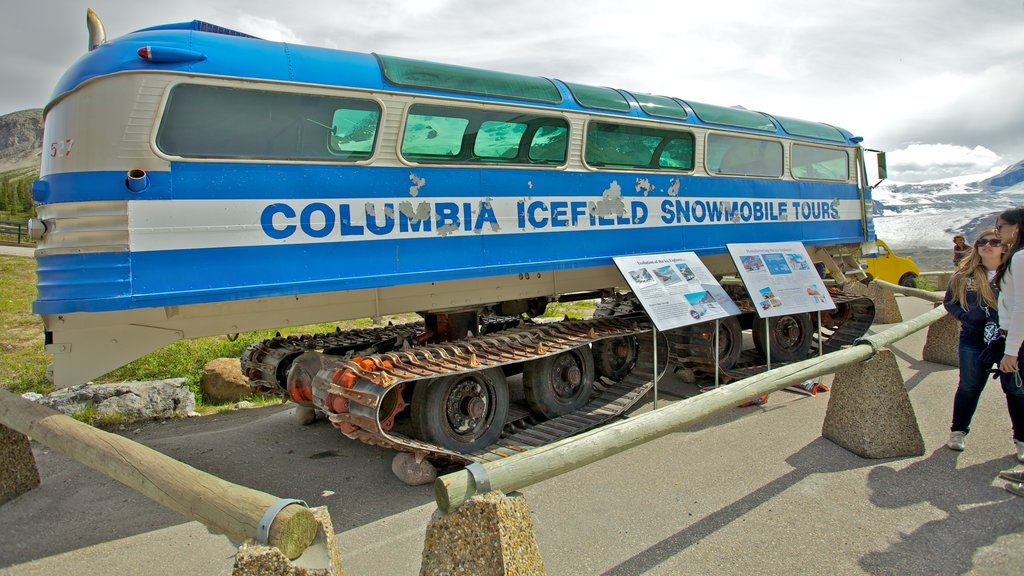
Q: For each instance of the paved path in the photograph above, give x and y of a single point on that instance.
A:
(752, 491)
(17, 250)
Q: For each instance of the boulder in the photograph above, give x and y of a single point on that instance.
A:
(223, 381)
(127, 400)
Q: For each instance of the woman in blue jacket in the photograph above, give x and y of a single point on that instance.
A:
(971, 299)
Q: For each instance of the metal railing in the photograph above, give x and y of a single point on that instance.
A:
(11, 231)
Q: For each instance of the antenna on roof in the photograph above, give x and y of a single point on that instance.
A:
(97, 35)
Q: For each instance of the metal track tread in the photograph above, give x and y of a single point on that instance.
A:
(507, 347)
(693, 346)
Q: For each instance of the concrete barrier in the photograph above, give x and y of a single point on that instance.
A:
(940, 278)
(942, 343)
(886, 309)
(321, 558)
(489, 535)
(869, 412)
(18, 471)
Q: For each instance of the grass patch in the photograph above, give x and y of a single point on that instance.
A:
(574, 310)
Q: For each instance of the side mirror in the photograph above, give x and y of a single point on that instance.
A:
(883, 172)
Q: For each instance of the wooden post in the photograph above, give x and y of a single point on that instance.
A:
(228, 508)
(526, 468)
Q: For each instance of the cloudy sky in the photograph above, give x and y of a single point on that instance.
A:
(937, 83)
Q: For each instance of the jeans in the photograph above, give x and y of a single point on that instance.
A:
(1013, 387)
(973, 377)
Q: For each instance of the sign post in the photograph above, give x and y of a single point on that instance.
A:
(676, 290)
(781, 281)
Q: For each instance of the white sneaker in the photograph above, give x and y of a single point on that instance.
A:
(956, 441)
(1020, 450)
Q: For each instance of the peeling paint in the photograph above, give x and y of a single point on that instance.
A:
(417, 183)
(673, 188)
(529, 184)
(611, 203)
(447, 229)
(419, 214)
(645, 185)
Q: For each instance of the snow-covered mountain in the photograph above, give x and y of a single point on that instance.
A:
(928, 214)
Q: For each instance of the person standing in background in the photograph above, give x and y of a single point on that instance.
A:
(1010, 281)
(959, 249)
(971, 299)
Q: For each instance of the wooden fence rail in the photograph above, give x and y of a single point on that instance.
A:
(521, 470)
(228, 508)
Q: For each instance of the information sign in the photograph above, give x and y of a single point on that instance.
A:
(675, 289)
(780, 278)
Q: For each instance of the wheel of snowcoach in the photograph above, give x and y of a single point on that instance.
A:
(791, 337)
(461, 412)
(614, 358)
(730, 342)
(908, 280)
(559, 384)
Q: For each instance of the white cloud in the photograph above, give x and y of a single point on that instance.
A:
(920, 162)
(266, 28)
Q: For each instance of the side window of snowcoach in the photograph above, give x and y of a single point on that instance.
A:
(738, 156)
(447, 134)
(640, 147)
(201, 121)
(817, 163)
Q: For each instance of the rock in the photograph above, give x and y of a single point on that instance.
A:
(244, 405)
(33, 396)
(128, 400)
(408, 470)
(305, 415)
(223, 381)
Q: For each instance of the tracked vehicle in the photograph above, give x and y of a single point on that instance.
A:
(200, 181)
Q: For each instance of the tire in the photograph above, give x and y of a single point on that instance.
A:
(791, 337)
(730, 342)
(462, 412)
(559, 384)
(614, 358)
(908, 280)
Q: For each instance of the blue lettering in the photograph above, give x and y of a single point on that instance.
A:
(486, 216)
(306, 220)
(668, 216)
(371, 219)
(579, 210)
(745, 211)
(699, 211)
(267, 221)
(521, 213)
(447, 215)
(639, 212)
(758, 211)
(559, 214)
(347, 228)
(531, 213)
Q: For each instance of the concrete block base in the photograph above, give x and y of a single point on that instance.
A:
(320, 559)
(18, 472)
(886, 309)
(489, 535)
(942, 343)
(869, 412)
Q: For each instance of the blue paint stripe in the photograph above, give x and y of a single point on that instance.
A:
(101, 282)
(203, 181)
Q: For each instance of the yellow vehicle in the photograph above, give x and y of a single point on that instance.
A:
(892, 268)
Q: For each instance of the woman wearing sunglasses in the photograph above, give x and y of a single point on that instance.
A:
(971, 299)
(1010, 280)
